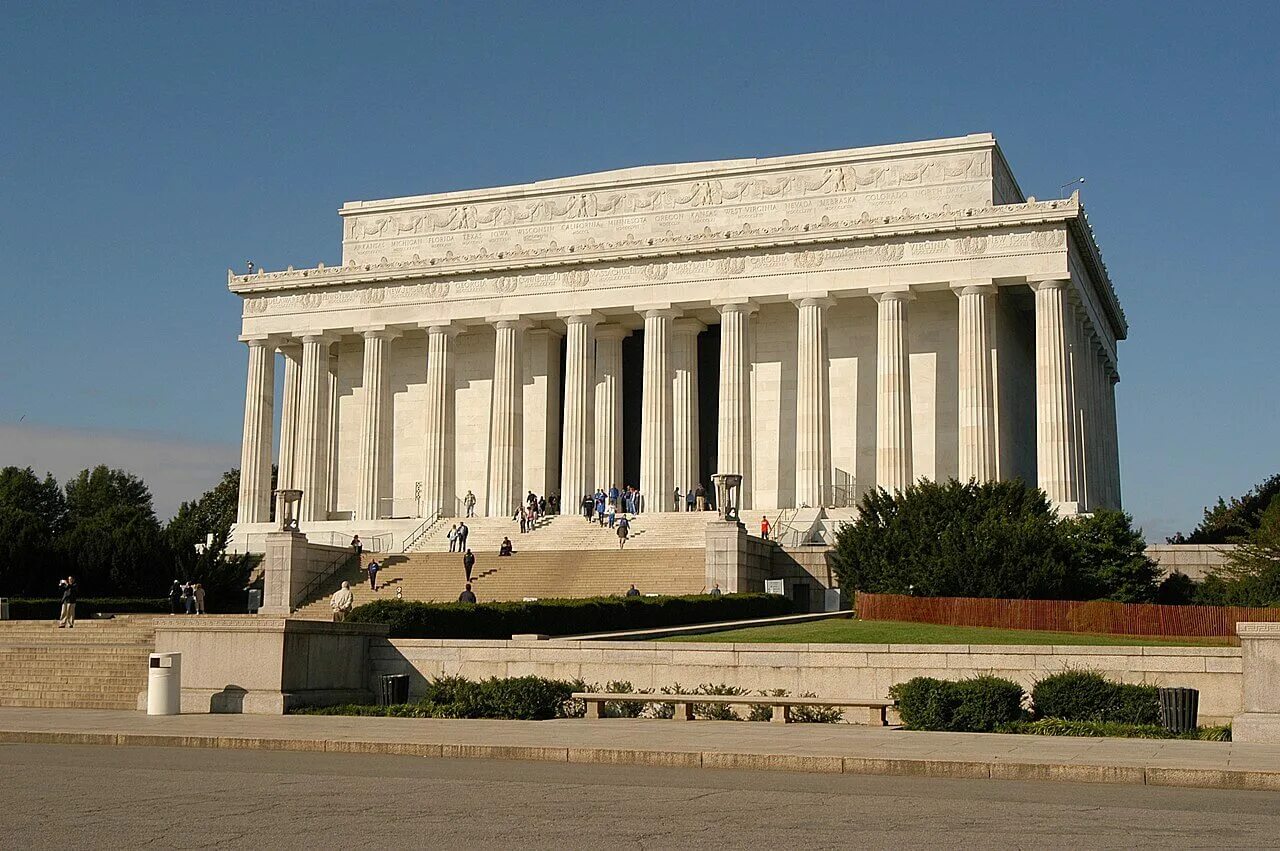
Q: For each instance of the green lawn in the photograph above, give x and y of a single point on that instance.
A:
(898, 632)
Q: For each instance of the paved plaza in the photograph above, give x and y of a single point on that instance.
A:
(816, 748)
(78, 796)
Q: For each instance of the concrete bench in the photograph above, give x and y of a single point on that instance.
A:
(875, 709)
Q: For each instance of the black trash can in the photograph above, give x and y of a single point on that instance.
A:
(1179, 708)
(395, 689)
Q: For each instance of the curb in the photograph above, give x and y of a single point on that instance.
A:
(1202, 778)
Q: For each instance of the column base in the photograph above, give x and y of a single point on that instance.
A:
(1066, 509)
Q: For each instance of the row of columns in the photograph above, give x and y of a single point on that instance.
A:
(1075, 407)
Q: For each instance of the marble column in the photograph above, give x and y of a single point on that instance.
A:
(977, 433)
(374, 455)
(255, 448)
(289, 415)
(1055, 422)
(312, 472)
(608, 402)
(685, 443)
(1079, 399)
(813, 430)
(733, 452)
(438, 492)
(577, 457)
(893, 392)
(506, 424)
(1112, 448)
(335, 420)
(657, 431)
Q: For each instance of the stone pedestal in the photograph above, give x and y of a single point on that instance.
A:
(1260, 721)
(290, 563)
(265, 666)
(736, 560)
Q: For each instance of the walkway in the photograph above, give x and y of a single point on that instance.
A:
(825, 748)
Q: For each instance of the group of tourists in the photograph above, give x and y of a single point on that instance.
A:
(534, 508)
(186, 597)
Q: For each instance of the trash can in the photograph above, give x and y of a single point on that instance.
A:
(1179, 708)
(255, 600)
(4, 608)
(395, 689)
(164, 684)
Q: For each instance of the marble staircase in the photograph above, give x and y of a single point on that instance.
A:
(99, 664)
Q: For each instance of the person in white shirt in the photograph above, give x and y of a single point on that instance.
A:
(342, 602)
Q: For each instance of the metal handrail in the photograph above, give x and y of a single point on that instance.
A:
(413, 537)
(325, 574)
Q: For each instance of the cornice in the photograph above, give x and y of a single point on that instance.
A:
(1092, 257)
(748, 237)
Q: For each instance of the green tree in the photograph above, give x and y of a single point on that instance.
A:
(112, 541)
(1251, 575)
(207, 521)
(1110, 557)
(994, 539)
(32, 513)
(1228, 520)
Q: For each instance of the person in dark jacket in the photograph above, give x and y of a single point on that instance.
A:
(468, 564)
(68, 615)
(175, 597)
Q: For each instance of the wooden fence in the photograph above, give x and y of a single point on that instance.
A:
(1096, 616)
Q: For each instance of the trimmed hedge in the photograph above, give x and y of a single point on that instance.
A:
(1112, 729)
(976, 705)
(34, 608)
(415, 619)
(1089, 696)
(516, 698)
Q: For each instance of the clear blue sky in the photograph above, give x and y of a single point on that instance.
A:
(146, 147)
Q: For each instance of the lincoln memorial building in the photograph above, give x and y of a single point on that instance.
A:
(821, 324)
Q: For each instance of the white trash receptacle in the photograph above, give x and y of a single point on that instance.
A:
(164, 684)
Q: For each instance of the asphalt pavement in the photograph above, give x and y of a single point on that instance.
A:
(81, 796)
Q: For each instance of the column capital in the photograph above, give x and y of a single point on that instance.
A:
(977, 286)
(1054, 283)
(519, 323)
(580, 317)
(381, 331)
(255, 341)
(612, 331)
(895, 294)
(823, 300)
(734, 306)
(688, 325)
(660, 312)
(317, 337)
(447, 329)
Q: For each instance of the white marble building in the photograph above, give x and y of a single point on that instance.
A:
(822, 323)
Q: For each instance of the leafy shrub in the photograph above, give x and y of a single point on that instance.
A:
(522, 698)
(799, 714)
(416, 619)
(985, 703)
(763, 711)
(623, 708)
(1089, 696)
(977, 705)
(925, 703)
(717, 711)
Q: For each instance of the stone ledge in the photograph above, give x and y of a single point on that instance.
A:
(993, 768)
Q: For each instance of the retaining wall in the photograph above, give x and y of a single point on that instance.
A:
(862, 670)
